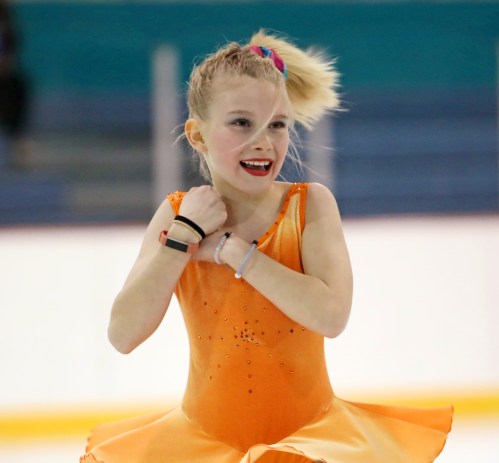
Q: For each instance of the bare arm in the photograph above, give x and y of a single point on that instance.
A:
(141, 305)
(320, 299)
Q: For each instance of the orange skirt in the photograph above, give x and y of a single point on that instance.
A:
(347, 432)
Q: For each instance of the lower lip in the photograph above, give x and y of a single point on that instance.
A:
(257, 173)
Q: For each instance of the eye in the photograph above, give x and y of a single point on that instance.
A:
(278, 125)
(241, 122)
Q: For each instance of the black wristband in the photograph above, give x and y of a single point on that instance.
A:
(189, 222)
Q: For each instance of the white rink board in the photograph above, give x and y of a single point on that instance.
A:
(424, 314)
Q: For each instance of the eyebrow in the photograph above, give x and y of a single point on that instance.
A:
(249, 113)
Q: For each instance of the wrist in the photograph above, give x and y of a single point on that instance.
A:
(184, 234)
(190, 225)
(219, 247)
(169, 242)
(232, 249)
(234, 253)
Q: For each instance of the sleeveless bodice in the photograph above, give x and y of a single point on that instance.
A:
(255, 375)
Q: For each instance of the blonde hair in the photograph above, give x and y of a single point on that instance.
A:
(311, 81)
(312, 78)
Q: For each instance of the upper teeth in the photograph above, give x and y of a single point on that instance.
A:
(257, 163)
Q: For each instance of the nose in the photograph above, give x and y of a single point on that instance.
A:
(261, 142)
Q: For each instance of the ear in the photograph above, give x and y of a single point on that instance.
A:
(194, 135)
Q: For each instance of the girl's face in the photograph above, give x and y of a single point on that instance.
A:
(247, 134)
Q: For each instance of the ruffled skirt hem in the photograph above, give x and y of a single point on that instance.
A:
(348, 432)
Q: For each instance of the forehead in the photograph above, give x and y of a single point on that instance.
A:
(244, 93)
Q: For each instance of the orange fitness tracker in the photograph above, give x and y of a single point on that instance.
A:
(177, 245)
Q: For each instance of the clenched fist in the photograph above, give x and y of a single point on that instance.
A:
(204, 206)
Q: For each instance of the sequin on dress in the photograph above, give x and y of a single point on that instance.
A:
(258, 390)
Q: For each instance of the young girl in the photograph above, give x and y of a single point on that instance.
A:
(262, 275)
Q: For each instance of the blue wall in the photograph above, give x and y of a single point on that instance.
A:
(418, 79)
(89, 47)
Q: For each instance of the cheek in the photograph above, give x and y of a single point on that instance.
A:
(283, 144)
(281, 148)
(227, 143)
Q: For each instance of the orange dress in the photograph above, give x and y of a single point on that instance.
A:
(258, 390)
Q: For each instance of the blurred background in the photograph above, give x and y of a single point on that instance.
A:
(91, 108)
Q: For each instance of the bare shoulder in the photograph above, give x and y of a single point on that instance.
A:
(324, 250)
(321, 204)
(161, 220)
(323, 231)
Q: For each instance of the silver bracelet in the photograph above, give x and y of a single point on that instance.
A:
(239, 272)
(218, 249)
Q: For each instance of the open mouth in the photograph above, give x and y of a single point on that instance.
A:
(256, 166)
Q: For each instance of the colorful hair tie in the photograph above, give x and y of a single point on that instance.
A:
(265, 52)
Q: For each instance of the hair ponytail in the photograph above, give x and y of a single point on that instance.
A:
(311, 82)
